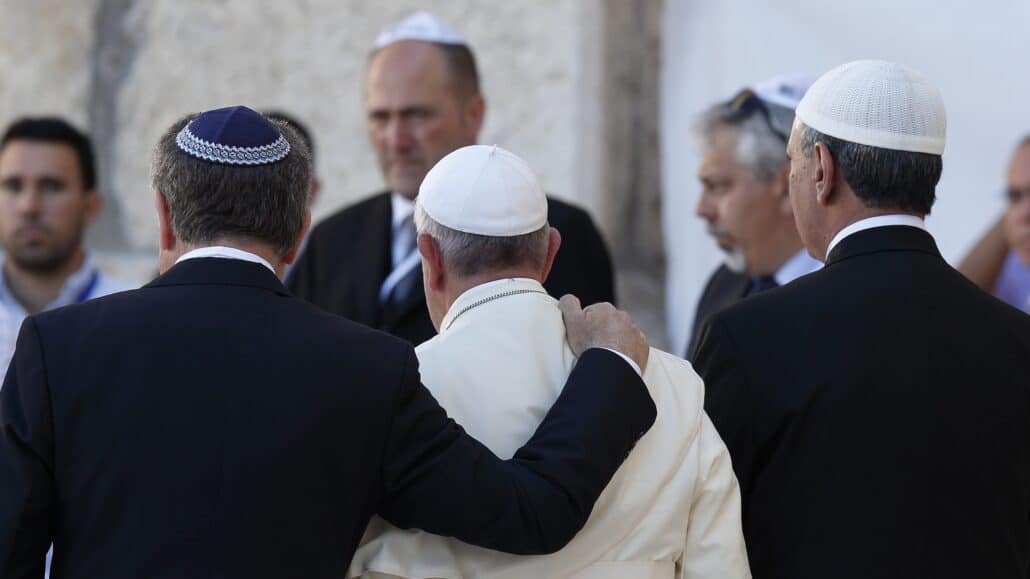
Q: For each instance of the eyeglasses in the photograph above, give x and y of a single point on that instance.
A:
(745, 104)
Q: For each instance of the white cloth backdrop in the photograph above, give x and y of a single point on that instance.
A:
(976, 52)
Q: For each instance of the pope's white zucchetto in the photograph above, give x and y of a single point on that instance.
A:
(877, 103)
(484, 190)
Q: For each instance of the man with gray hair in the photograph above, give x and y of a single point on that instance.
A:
(876, 410)
(486, 247)
(743, 174)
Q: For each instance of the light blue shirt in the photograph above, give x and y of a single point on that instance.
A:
(1013, 284)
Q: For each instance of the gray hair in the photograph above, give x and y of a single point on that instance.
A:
(471, 254)
(881, 178)
(760, 149)
(208, 201)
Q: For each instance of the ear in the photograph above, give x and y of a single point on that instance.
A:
(781, 189)
(553, 244)
(825, 174)
(291, 255)
(475, 112)
(433, 274)
(164, 219)
(94, 203)
(316, 186)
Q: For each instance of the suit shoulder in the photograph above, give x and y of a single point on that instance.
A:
(353, 214)
(559, 211)
(96, 310)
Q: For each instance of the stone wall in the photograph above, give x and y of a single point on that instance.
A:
(570, 86)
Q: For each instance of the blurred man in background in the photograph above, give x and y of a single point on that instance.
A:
(48, 195)
(1000, 262)
(743, 174)
(422, 101)
(875, 410)
(673, 510)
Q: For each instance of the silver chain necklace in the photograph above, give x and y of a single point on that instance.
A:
(482, 301)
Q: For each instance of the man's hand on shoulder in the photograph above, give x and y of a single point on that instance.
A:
(603, 326)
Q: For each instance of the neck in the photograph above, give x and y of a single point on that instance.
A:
(854, 216)
(462, 284)
(258, 248)
(775, 251)
(34, 289)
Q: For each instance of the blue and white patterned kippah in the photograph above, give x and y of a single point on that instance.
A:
(233, 136)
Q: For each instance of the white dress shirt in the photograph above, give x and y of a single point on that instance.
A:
(672, 510)
(223, 252)
(877, 221)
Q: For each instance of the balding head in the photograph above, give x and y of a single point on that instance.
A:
(419, 106)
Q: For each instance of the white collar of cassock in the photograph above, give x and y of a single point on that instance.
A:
(483, 294)
(224, 252)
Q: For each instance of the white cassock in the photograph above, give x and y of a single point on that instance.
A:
(672, 509)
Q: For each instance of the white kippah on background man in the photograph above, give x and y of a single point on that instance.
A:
(672, 510)
(876, 410)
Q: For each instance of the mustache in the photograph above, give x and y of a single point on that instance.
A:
(32, 224)
(716, 230)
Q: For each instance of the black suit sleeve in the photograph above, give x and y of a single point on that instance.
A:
(440, 479)
(26, 461)
(728, 402)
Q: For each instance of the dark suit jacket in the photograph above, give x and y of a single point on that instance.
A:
(211, 425)
(877, 415)
(724, 288)
(348, 257)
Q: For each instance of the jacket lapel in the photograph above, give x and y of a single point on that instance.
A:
(372, 262)
(413, 302)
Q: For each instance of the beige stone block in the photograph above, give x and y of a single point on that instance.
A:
(45, 48)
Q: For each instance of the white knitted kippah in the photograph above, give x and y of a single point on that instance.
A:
(877, 103)
(420, 26)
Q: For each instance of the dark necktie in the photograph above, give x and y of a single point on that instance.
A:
(760, 284)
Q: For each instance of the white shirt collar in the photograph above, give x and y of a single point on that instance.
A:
(878, 221)
(224, 252)
(400, 208)
(798, 265)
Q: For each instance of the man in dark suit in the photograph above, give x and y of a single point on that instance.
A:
(211, 425)
(875, 410)
(422, 101)
(743, 174)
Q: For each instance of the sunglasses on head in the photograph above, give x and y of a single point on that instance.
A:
(745, 104)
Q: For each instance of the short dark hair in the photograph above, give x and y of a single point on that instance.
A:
(299, 127)
(462, 65)
(56, 130)
(882, 178)
(211, 200)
